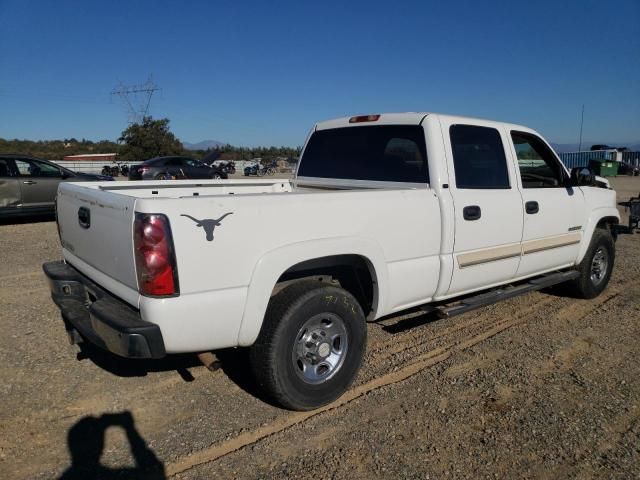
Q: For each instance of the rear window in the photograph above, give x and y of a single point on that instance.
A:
(384, 153)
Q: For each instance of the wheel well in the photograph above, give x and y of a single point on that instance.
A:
(354, 273)
(609, 223)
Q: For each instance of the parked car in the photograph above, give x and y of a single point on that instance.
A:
(369, 227)
(28, 185)
(173, 168)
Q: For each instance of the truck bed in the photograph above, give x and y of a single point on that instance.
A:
(190, 188)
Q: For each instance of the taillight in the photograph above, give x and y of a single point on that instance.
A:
(143, 170)
(364, 118)
(155, 257)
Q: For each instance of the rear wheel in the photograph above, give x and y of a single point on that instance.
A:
(311, 345)
(596, 266)
(215, 176)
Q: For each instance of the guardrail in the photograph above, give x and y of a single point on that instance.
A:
(582, 159)
(88, 166)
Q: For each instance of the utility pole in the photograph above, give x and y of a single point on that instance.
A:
(581, 123)
(137, 98)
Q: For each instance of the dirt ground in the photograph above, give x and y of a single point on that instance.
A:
(540, 386)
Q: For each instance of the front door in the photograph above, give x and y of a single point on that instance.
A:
(554, 212)
(487, 204)
(9, 186)
(38, 182)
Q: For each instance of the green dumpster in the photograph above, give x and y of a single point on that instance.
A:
(604, 168)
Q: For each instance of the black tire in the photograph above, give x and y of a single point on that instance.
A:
(215, 176)
(276, 357)
(593, 279)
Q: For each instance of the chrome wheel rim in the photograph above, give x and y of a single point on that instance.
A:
(599, 265)
(320, 348)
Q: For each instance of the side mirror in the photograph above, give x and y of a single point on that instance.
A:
(582, 176)
(64, 174)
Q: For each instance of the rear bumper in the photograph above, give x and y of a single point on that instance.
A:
(91, 314)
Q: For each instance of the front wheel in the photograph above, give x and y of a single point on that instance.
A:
(311, 345)
(596, 266)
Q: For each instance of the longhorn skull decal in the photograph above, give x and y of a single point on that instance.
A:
(207, 224)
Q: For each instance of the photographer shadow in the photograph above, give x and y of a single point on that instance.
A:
(86, 442)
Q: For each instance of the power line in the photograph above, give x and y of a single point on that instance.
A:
(137, 98)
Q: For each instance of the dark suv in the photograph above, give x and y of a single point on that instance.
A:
(28, 185)
(172, 168)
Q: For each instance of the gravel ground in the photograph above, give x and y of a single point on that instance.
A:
(540, 386)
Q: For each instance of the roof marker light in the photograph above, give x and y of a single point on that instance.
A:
(364, 118)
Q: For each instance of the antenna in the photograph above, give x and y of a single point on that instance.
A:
(581, 123)
(137, 98)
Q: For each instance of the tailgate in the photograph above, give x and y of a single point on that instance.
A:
(96, 230)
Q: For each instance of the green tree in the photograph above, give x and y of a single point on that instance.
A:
(148, 139)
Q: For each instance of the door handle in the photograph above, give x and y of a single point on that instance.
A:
(471, 212)
(29, 182)
(532, 207)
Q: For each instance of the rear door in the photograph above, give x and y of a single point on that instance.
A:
(196, 169)
(487, 204)
(554, 212)
(175, 167)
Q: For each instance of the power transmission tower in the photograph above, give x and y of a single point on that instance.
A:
(137, 98)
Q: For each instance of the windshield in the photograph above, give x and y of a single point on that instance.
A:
(383, 153)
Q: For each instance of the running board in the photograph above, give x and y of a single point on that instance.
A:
(487, 298)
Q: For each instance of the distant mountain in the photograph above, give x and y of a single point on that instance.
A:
(203, 145)
(573, 147)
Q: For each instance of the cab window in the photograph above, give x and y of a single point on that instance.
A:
(478, 157)
(383, 153)
(34, 168)
(538, 166)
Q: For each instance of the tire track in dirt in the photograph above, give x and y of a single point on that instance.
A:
(395, 348)
(420, 362)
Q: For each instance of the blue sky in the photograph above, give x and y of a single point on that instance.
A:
(261, 73)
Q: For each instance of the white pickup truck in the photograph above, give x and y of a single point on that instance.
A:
(385, 213)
